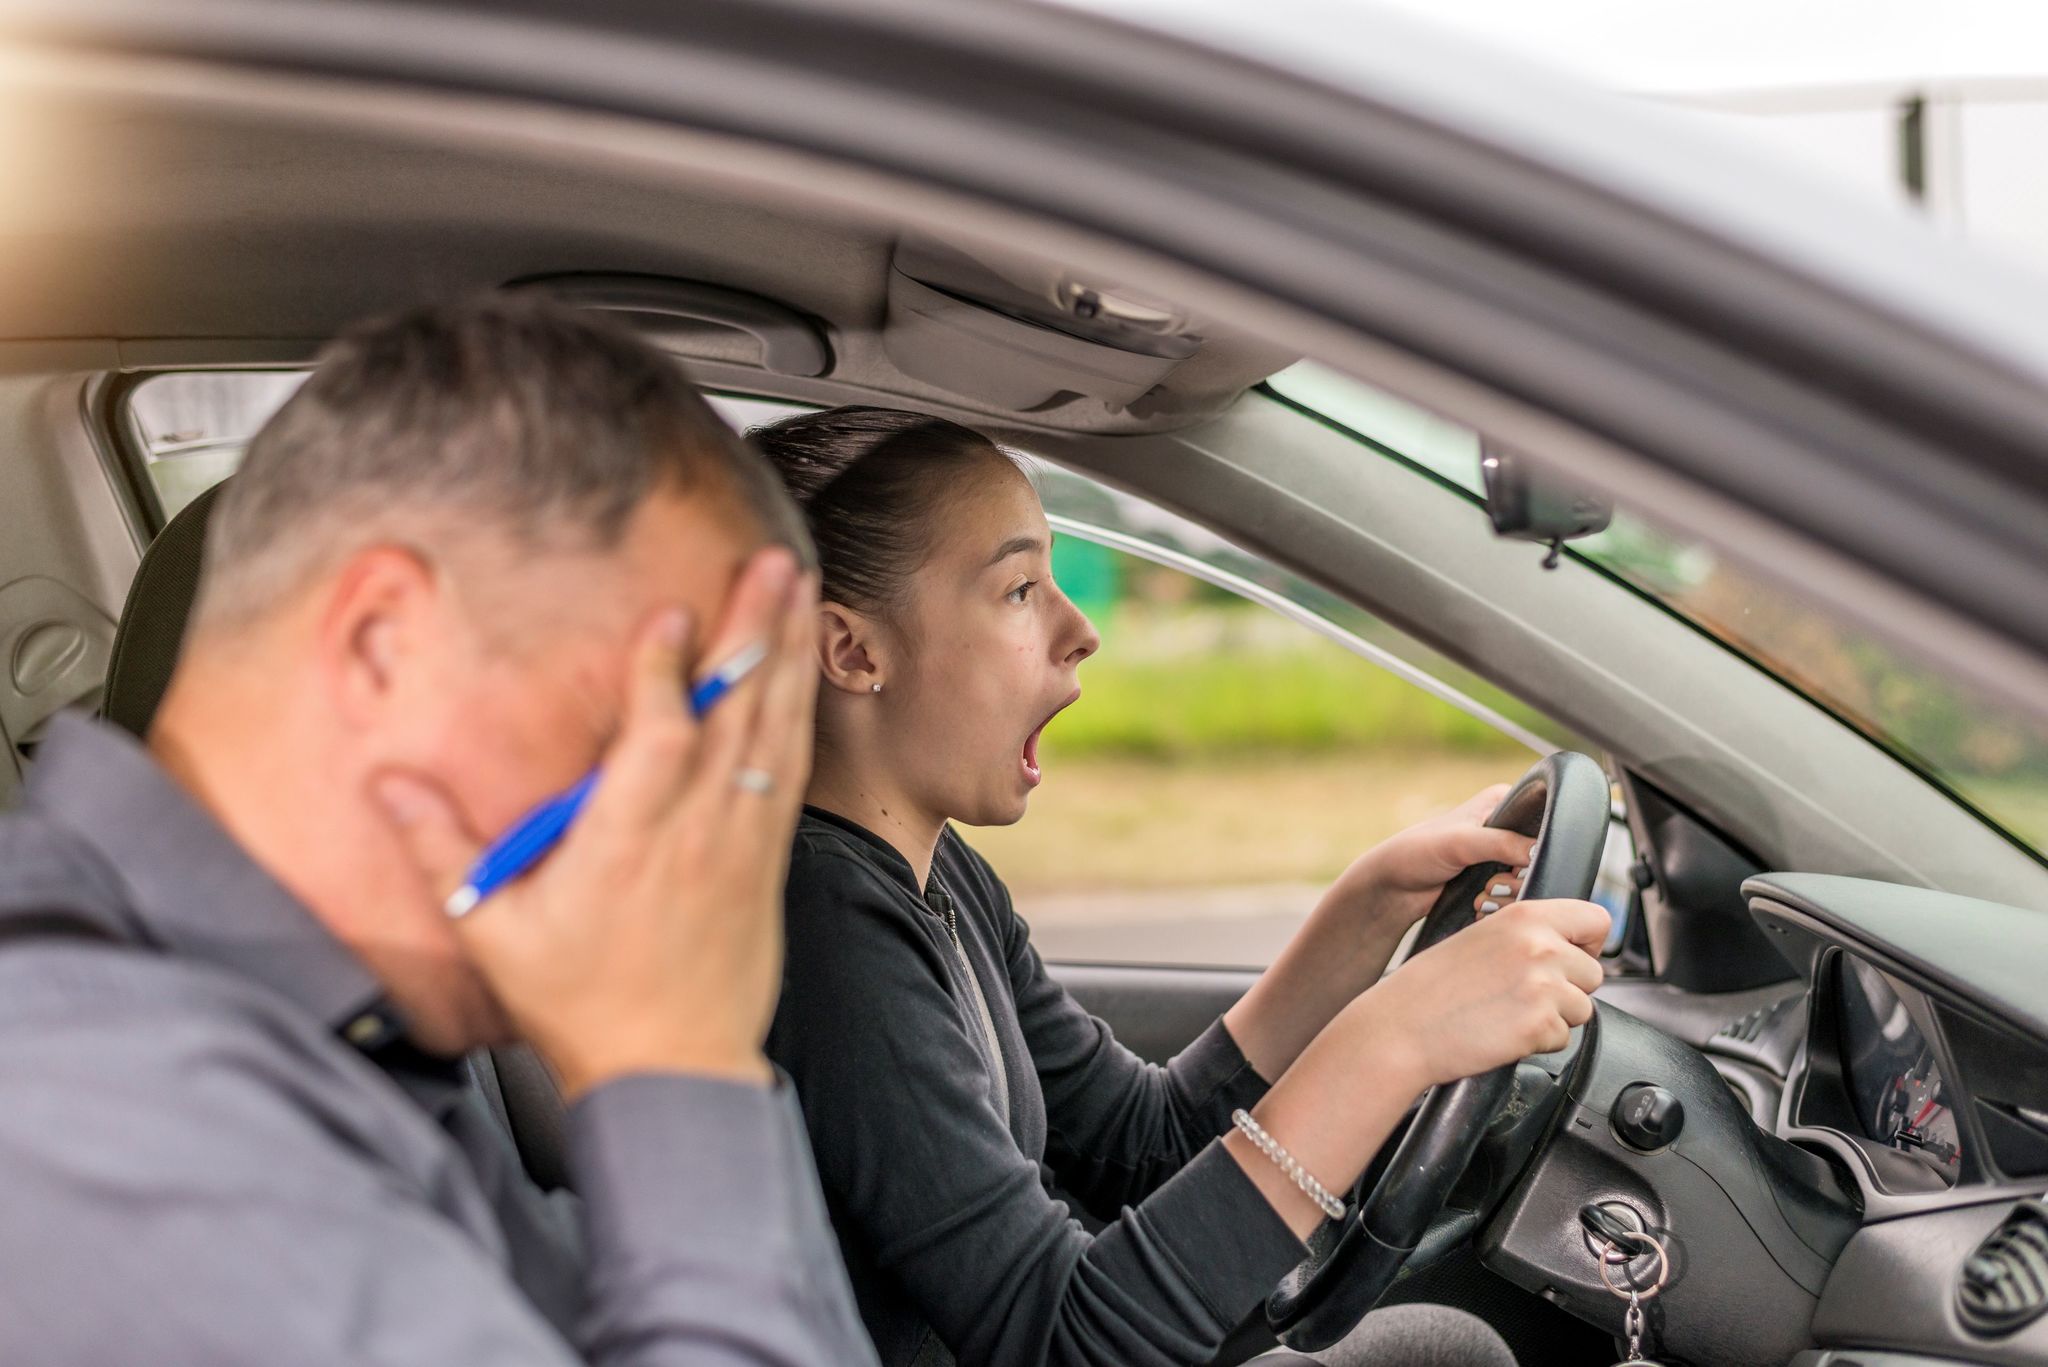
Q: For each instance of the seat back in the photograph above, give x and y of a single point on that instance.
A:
(153, 620)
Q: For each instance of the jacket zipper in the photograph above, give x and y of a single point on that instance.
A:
(942, 903)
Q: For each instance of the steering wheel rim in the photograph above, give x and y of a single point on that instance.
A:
(1563, 802)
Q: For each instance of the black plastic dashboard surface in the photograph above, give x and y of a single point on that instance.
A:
(1991, 955)
(1938, 1000)
(1948, 976)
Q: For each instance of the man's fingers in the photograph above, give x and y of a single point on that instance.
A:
(732, 732)
(651, 755)
(429, 828)
(753, 618)
(782, 739)
(753, 607)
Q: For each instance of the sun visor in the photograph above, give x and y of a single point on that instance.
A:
(1022, 335)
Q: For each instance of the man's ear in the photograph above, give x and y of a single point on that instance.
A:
(380, 611)
(849, 652)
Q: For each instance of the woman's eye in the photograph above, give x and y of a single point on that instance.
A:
(1022, 591)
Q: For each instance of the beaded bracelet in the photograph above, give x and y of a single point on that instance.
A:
(1296, 1173)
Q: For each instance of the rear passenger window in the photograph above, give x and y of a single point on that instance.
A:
(190, 427)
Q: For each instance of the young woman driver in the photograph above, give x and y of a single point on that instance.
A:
(950, 1084)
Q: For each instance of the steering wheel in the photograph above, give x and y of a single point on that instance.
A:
(1563, 802)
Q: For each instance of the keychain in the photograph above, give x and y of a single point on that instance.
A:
(1617, 1246)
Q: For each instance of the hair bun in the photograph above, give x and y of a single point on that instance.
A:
(869, 481)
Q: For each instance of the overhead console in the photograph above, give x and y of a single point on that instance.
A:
(790, 342)
(1023, 334)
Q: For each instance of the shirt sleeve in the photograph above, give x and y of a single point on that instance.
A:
(924, 1173)
(1117, 1126)
(197, 1187)
(707, 1233)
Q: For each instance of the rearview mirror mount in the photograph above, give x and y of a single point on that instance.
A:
(1531, 505)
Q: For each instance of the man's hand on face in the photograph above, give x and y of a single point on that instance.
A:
(650, 940)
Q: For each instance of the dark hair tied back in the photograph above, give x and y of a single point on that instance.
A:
(870, 482)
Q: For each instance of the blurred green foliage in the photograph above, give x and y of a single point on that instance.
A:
(1308, 697)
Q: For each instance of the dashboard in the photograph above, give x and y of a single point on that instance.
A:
(1916, 1059)
(1895, 1082)
(1922, 1080)
(1845, 1168)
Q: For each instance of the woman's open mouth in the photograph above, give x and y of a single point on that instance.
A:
(1032, 773)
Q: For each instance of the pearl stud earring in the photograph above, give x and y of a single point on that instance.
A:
(874, 688)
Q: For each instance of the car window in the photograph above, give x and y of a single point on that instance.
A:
(1241, 736)
(1987, 755)
(190, 426)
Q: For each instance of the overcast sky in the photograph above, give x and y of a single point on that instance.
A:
(1718, 44)
(1670, 46)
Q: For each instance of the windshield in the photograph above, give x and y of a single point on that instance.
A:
(1987, 755)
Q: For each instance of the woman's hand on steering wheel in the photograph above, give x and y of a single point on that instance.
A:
(1396, 881)
(1479, 993)
(1510, 986)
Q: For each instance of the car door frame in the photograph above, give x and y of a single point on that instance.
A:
(1461, 228)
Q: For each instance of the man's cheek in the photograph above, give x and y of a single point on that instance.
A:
(500, 761)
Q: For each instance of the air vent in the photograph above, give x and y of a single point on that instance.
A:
(2005, 1282)
(1745, 1028)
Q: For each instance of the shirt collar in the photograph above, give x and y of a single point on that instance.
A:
(188, 887)
(881, 851)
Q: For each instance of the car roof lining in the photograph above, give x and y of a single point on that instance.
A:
(230, 236)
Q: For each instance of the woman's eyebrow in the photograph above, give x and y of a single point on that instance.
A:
(1014, 546)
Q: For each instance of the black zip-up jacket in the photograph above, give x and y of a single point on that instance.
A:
(949, 1083)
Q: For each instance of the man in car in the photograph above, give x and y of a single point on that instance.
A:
(479, 553)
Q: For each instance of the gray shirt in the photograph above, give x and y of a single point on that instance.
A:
(217, 1147)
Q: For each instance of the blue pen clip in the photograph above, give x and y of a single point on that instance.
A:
(534, 834)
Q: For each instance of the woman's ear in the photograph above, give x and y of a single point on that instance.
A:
(848, 651)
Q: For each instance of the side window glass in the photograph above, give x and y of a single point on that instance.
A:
(1241, 737)
(191, 426)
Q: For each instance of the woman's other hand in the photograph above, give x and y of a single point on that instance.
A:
(1397, 881)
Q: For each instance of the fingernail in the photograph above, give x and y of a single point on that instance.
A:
(1522, 871)
(1501, 890)
(1489, 906)
(673, 627)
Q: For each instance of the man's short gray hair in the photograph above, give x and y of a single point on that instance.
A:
(505, 414)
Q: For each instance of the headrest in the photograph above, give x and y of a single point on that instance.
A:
(152, 625)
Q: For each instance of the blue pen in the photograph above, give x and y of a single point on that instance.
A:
(534, 834)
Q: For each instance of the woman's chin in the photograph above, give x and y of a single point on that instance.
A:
(1007, 810)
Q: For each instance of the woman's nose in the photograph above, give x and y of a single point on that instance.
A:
(1085, 639)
